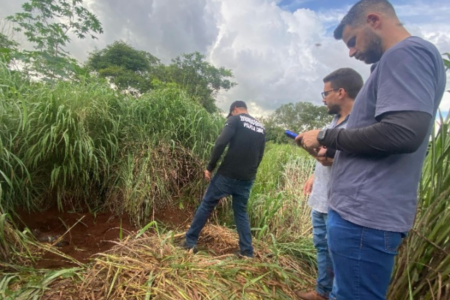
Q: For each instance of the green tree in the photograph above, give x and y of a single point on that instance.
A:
(199, 78)
(125, 66)
(6, 43)
(130, 68)
(298, 117)
(47, 24)
(7, 48)
(274, 132)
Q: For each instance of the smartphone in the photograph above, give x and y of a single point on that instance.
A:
(290, 134)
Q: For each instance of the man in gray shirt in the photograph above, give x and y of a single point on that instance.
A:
(375, 176)
(339, 92)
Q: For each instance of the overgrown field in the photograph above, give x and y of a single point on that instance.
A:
(82, 146)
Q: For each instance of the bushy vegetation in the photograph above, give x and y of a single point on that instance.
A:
(297, 117)
(139, 71)
(73, 141)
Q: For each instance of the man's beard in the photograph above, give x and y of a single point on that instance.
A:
(374, 50)
(334, 110)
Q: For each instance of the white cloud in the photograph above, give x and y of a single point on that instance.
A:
(270, 51)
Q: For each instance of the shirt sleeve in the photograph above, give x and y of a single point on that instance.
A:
(399, 132)
(406, 81)
(331, 153)
(222, 141)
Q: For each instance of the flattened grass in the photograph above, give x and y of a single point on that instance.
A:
(151, 267)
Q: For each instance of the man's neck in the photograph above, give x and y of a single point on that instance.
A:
(345, 111)
(396, 34)
(242, 112)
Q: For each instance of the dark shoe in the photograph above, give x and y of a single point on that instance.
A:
(189, 248)
(240, 255)
(311, 295)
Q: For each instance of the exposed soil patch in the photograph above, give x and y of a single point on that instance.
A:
(175, 218)
(81, 235)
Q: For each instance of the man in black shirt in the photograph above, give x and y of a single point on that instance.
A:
(245, 138)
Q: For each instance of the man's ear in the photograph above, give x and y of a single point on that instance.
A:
(342, 93)
(374, 20)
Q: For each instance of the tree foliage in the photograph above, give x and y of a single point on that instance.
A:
(7, 47)
(125, 66)
(124, 56)
(199, 78)
(48, 24)
(298, 117)
(274, 132)
(128, 68)
(7, 43)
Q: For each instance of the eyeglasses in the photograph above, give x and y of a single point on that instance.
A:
(325, 94)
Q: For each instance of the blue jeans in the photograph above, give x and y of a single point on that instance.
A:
(325, 272)
(363, 259)
(219, 187)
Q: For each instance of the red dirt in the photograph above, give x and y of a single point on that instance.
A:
(91, 234)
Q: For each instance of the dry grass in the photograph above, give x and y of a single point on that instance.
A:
(16, 247)
(153, 267)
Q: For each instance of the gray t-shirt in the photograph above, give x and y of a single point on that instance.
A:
(381, 192)
(318, 199)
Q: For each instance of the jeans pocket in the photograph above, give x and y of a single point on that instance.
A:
(392, 241)
(223, 184)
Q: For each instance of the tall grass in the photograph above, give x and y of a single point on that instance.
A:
(166, 140)
(278, 209)
(277, 204)
(423, 264)
(69, 141)
(81, 144)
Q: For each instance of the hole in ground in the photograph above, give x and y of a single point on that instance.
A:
(89, 234)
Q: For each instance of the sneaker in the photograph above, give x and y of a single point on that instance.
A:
(185, 246)
(311, 295)
(240, 255)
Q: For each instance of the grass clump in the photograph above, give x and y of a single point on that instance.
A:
(83, 145)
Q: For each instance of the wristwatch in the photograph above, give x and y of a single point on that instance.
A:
(321, 135)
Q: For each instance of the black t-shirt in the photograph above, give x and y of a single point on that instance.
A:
(245, 138)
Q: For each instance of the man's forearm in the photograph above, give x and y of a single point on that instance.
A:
(219, 147)
(401, 132)
(215, 156)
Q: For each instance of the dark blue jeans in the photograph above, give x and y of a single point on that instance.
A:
(363, 259)
(219, 187)
(325, 272)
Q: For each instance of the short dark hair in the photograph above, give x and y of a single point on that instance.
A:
(356, 15)
(346, 78)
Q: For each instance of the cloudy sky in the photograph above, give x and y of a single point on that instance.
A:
(278, 50)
